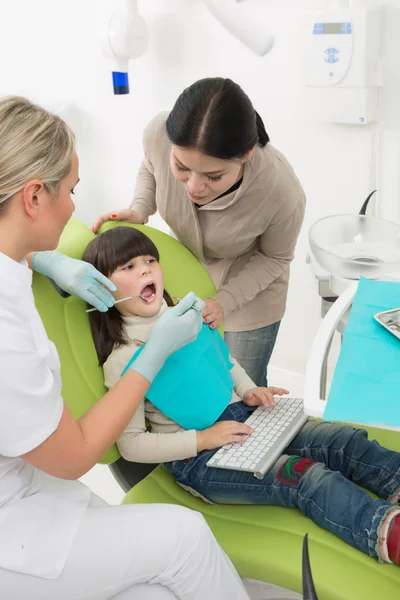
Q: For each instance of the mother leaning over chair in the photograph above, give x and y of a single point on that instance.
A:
(234, 201)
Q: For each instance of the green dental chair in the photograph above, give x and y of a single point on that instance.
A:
(264, 542)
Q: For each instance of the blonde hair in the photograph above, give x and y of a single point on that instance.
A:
(34, 144)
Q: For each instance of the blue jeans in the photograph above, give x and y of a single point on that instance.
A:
(317, 473)
(253, 349)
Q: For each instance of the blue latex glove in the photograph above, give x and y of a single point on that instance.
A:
(178, 326)
(76, 277)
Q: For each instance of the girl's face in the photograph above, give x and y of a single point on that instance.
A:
(204, 177)
(141, 275)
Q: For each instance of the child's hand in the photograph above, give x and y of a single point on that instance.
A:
(262, 396)
(223, 432)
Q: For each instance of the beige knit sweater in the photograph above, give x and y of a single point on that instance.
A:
(166, 440)
(246, 239)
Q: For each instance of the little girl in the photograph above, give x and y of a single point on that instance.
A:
(322, 467)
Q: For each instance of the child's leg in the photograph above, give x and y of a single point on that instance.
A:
(341, 448)
(347, 449)
(325, 496)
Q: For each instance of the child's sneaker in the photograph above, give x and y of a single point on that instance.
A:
(393, 540)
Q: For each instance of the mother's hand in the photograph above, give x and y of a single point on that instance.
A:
(126, 214)
(213, 313)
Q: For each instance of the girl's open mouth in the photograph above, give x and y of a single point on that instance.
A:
(149, 292)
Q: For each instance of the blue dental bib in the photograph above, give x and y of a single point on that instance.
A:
(195, 384)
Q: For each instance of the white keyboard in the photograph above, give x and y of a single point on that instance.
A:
(274, 429)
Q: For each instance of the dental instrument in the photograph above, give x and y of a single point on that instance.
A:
(122, 300)
(89, 310)
(175, 298)
(390, 320)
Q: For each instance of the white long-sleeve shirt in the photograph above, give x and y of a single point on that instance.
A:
(151, 436)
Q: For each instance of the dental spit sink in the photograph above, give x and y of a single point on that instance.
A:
(351, 246)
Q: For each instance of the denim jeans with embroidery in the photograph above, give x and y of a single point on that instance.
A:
(317, 473)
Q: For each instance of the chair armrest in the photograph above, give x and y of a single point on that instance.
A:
(313, 404)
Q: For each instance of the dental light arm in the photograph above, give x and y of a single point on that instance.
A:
(238, 18)
(127, 34)
(126, 38)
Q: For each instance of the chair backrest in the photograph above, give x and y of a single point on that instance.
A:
(67, 323)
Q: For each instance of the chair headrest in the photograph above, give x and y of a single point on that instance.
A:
(67, 323)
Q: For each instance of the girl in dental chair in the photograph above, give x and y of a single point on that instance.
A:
(320, 470)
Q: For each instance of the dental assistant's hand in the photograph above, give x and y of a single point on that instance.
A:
(176, 328)
(213, 313)
(263, 396)
(126, 214)
(76, 277)
(223, 432)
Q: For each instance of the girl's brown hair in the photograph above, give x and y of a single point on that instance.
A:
(107, 252)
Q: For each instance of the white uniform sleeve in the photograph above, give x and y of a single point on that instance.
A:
(30, 400)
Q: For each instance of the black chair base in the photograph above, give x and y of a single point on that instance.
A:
(129, 473)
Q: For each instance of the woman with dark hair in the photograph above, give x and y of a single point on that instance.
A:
(234, 201)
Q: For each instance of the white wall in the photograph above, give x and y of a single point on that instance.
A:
(50, 52)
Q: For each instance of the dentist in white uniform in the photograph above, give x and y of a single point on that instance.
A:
(58, 540)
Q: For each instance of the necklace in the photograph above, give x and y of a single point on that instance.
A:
(138, 342)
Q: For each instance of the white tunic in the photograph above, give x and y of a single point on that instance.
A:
(39, 514)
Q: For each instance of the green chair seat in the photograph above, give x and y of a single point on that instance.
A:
(264, 542)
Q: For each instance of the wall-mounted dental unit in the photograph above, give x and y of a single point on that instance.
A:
(126, 38)
(343, 62)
